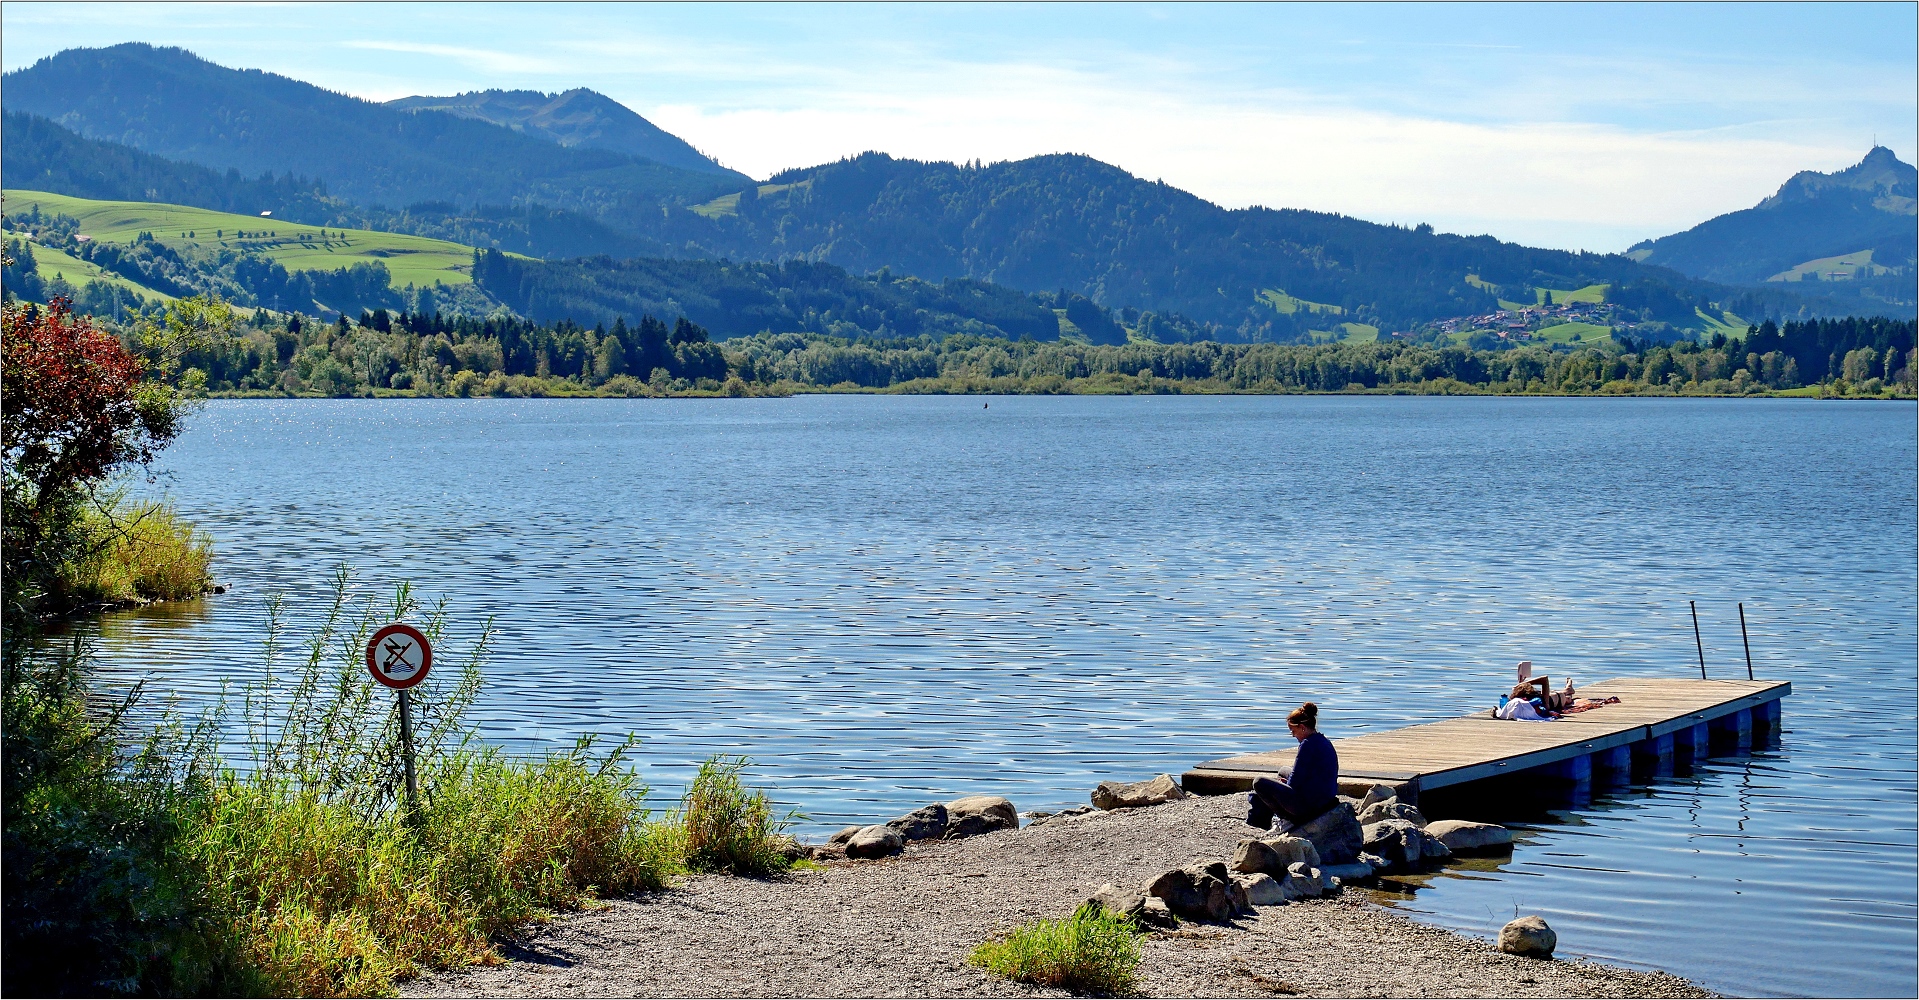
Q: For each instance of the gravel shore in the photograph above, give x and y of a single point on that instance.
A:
(904, 925)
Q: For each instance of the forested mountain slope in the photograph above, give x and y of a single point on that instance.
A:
(170, 102)
(37, 154)
(578, 117)
(1072, 222)
(735, 300)
(1872, 205)
(40, 154)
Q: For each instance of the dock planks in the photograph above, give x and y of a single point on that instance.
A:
(1438, 754)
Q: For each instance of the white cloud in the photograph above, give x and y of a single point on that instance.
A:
(485, 60)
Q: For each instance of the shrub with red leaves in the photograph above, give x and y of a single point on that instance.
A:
(74, 403)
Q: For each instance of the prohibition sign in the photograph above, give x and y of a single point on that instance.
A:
(399, 656)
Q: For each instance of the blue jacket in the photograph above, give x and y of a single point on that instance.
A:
(1316, 771)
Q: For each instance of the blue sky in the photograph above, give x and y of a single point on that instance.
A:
(1577, 126)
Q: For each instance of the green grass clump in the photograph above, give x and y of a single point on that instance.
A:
(328, 901)
(138, 552)
(1094, 950)
(728, 827)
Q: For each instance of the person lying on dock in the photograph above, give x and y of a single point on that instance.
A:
(1534, 700)
(1305, 790)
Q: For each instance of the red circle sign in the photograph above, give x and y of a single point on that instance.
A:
(399, 656)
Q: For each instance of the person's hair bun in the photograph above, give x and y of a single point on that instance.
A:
(1305, 715)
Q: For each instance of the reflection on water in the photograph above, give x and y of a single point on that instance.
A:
(890, 600)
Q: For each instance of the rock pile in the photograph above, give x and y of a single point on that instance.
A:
(967, 817)
(1395, 836)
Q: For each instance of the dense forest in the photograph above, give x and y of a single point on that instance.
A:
(425, 354)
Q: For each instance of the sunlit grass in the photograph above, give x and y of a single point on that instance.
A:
(1092, 950)
(139, 552)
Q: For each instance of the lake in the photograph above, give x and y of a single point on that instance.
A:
(885, 601)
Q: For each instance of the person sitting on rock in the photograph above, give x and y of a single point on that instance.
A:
(1305, 790)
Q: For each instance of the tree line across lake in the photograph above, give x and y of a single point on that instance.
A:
(426, 354)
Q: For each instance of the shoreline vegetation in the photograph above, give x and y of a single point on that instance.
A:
(400, 355)
(154, 858)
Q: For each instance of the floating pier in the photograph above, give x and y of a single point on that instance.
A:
(1657, 724)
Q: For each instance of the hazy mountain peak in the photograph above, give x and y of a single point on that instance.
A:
(1893, 183)
(577, 117)
(1865, 212)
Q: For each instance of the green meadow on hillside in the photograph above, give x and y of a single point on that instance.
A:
(411, 260)
(77, 272)
(1594, 294)
(729, 204)
(1583, 334)
(1853, 265)
(1287, 305)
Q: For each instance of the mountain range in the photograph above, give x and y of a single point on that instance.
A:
(1870, 207)
(577, 175)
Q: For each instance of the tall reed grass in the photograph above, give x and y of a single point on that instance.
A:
(306, 875)
(138, 551)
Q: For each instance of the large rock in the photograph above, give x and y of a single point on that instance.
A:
(839, 839)
(1199, 892)
(977, 814)
(1155, 913)
(1253, 856)
(1431, 849)
(1261, 889)
(1145, 911)
(876, 841)
(1374, 796)
(1530, 936)
(1034, 819)
(1466, 837)
(1304, 881)
(1152, 792)
(1358, 871)
(1397, 841)
(1391, 809)
(924, 823)
(1335, 833)
(1273, 854)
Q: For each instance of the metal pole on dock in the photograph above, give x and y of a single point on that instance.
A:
(1697, 641)
(1743, 637)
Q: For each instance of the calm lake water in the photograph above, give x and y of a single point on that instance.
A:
(889, 600)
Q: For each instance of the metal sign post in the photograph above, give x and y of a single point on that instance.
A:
(399, 657)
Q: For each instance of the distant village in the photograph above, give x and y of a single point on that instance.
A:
(1521, 326)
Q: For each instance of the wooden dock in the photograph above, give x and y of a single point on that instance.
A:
(1655, 721)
